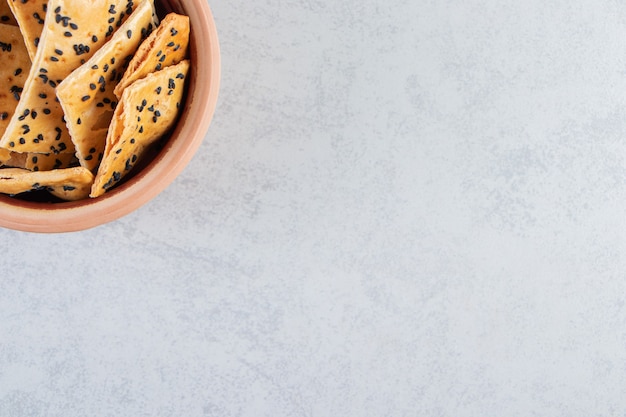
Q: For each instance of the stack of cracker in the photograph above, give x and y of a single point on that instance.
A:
(90, 85)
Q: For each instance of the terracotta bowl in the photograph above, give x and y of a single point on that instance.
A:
(32, 214)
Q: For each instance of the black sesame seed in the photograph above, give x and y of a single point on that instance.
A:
(88, 157)
(46, 111)
(140, 131)
(85, 98)
(68, 188)
(158, 90)
(36, 42)
(94, 67)
(93, 86)
(22, 141)
(132, 140)
(43, 95)
(129, 34)
(17, 72)
(159, 53)
(113, 61)
(100, 105)
(4, 116)
(117, 176)
(162, 58)
(157, 113)
(58, 52)
(74, 26)
(52, 84)
(151, 108)
(171, 44)
(105, 68)
(35, 159)
(67, 34)
(174, 32)
(35, 168)
(54, 59)
(155, 119)
(180, 76)
(111, 20)
(33, 114)
(170, 92)
(78, 122)
(128, 165)
(94, 39)
(158, 67)
(171, 83)
(119, 151)
(57, 10)
(12, 144)
(134, 159)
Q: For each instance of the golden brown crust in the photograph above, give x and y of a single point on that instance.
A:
(148, 109)
(6, 15)
(86, 95)
(13, 73)
(68, 184)
(166, 46)
(73, 32)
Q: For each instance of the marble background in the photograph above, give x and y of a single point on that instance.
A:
(402, 208)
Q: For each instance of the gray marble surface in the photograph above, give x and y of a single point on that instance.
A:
(402, 208)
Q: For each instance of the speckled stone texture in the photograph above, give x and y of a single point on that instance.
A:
(402, 208)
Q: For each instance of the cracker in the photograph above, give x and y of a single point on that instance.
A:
(6, 16)
(14, 68)
(39, 161)
(87, 95)
(73, 32)
(147, 110)
(30, 16)
(166, 46)
(68, 184)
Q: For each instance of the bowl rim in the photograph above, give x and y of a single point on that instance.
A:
(155, 177)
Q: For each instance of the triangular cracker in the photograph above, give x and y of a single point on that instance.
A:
(6, 16)
(87, 95)
(73, 32)
(30, 16)
(148, 109)
(14, 68)
(166, 46)
(68, 184)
